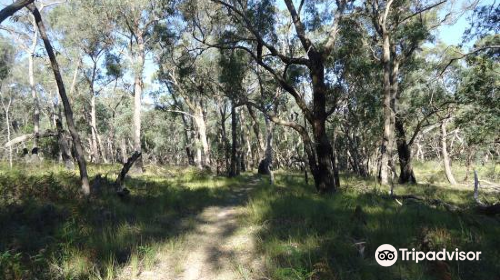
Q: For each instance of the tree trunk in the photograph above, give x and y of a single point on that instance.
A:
(64, 150)
(256, 129)
(388, 137)
(202, 134)
(227, 151)
(406, 174)
(7, 122)
(36, 104)
(325, 177)
(126, 167)
(67, 107)
(138, 87)
(13, 8)
(123, 151)
(63, 146)
(235, 161)
(446, 157)
(245, 139)
(265, 165)
(189, 151)
(93, 124)
(470, 155)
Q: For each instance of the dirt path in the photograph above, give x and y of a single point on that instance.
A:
(219, 248)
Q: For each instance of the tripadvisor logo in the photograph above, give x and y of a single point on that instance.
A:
(387, 255)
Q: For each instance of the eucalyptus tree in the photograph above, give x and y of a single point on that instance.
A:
(251, 26)
(188, 78)
(92, 45)
(358, 116)
(13, 8)
(399, 29)
(68, 112)
(7, 60)
(232, 63)
(137, 21)
(25, 34)
(477, 95)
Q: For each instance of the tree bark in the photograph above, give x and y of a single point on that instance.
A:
(79, 154)
(199, 120)
(93, 130)
(7, 123)
(388, 137)
(13, 8)
(446, 157)
(406, 174)
(34, 95)
(256, 129)
(325, 176)
(126, 167)
(265, 165)
(189, 152)
(227, 150)
(138, 87)
(63, 146)
(235, 161)
(245, 139)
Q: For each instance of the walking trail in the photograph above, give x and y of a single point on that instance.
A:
(219, 247)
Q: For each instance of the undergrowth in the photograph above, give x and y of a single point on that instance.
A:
(50, 231)
(308, 236)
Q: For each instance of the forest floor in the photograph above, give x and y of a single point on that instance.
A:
(186, 224)
(219, 247)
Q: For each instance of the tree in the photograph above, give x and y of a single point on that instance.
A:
(138, 20)
(13, 8)
(231, 77)
(256, 20)
(400, 27)
(79, 154)
(7, 58)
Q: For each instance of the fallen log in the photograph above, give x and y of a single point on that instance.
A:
(435, 202)
(480, 208)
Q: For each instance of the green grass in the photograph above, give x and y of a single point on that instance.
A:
(432, 172)
(49, 231)
(308, 236)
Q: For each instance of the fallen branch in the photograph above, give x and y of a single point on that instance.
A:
(481, 208)
(435, 202)
(26, 137)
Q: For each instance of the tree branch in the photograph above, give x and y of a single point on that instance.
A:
(13, 8)
(467, 54)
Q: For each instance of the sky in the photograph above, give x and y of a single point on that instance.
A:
(450, 34)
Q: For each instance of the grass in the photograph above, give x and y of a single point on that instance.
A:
(49, 231)
(307, 236)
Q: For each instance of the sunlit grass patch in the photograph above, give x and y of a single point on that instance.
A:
(301, 230)
(52, 232)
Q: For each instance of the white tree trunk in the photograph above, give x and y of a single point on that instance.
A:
(7, 122)
(204, 159)
(93, 128)
(446, 157)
